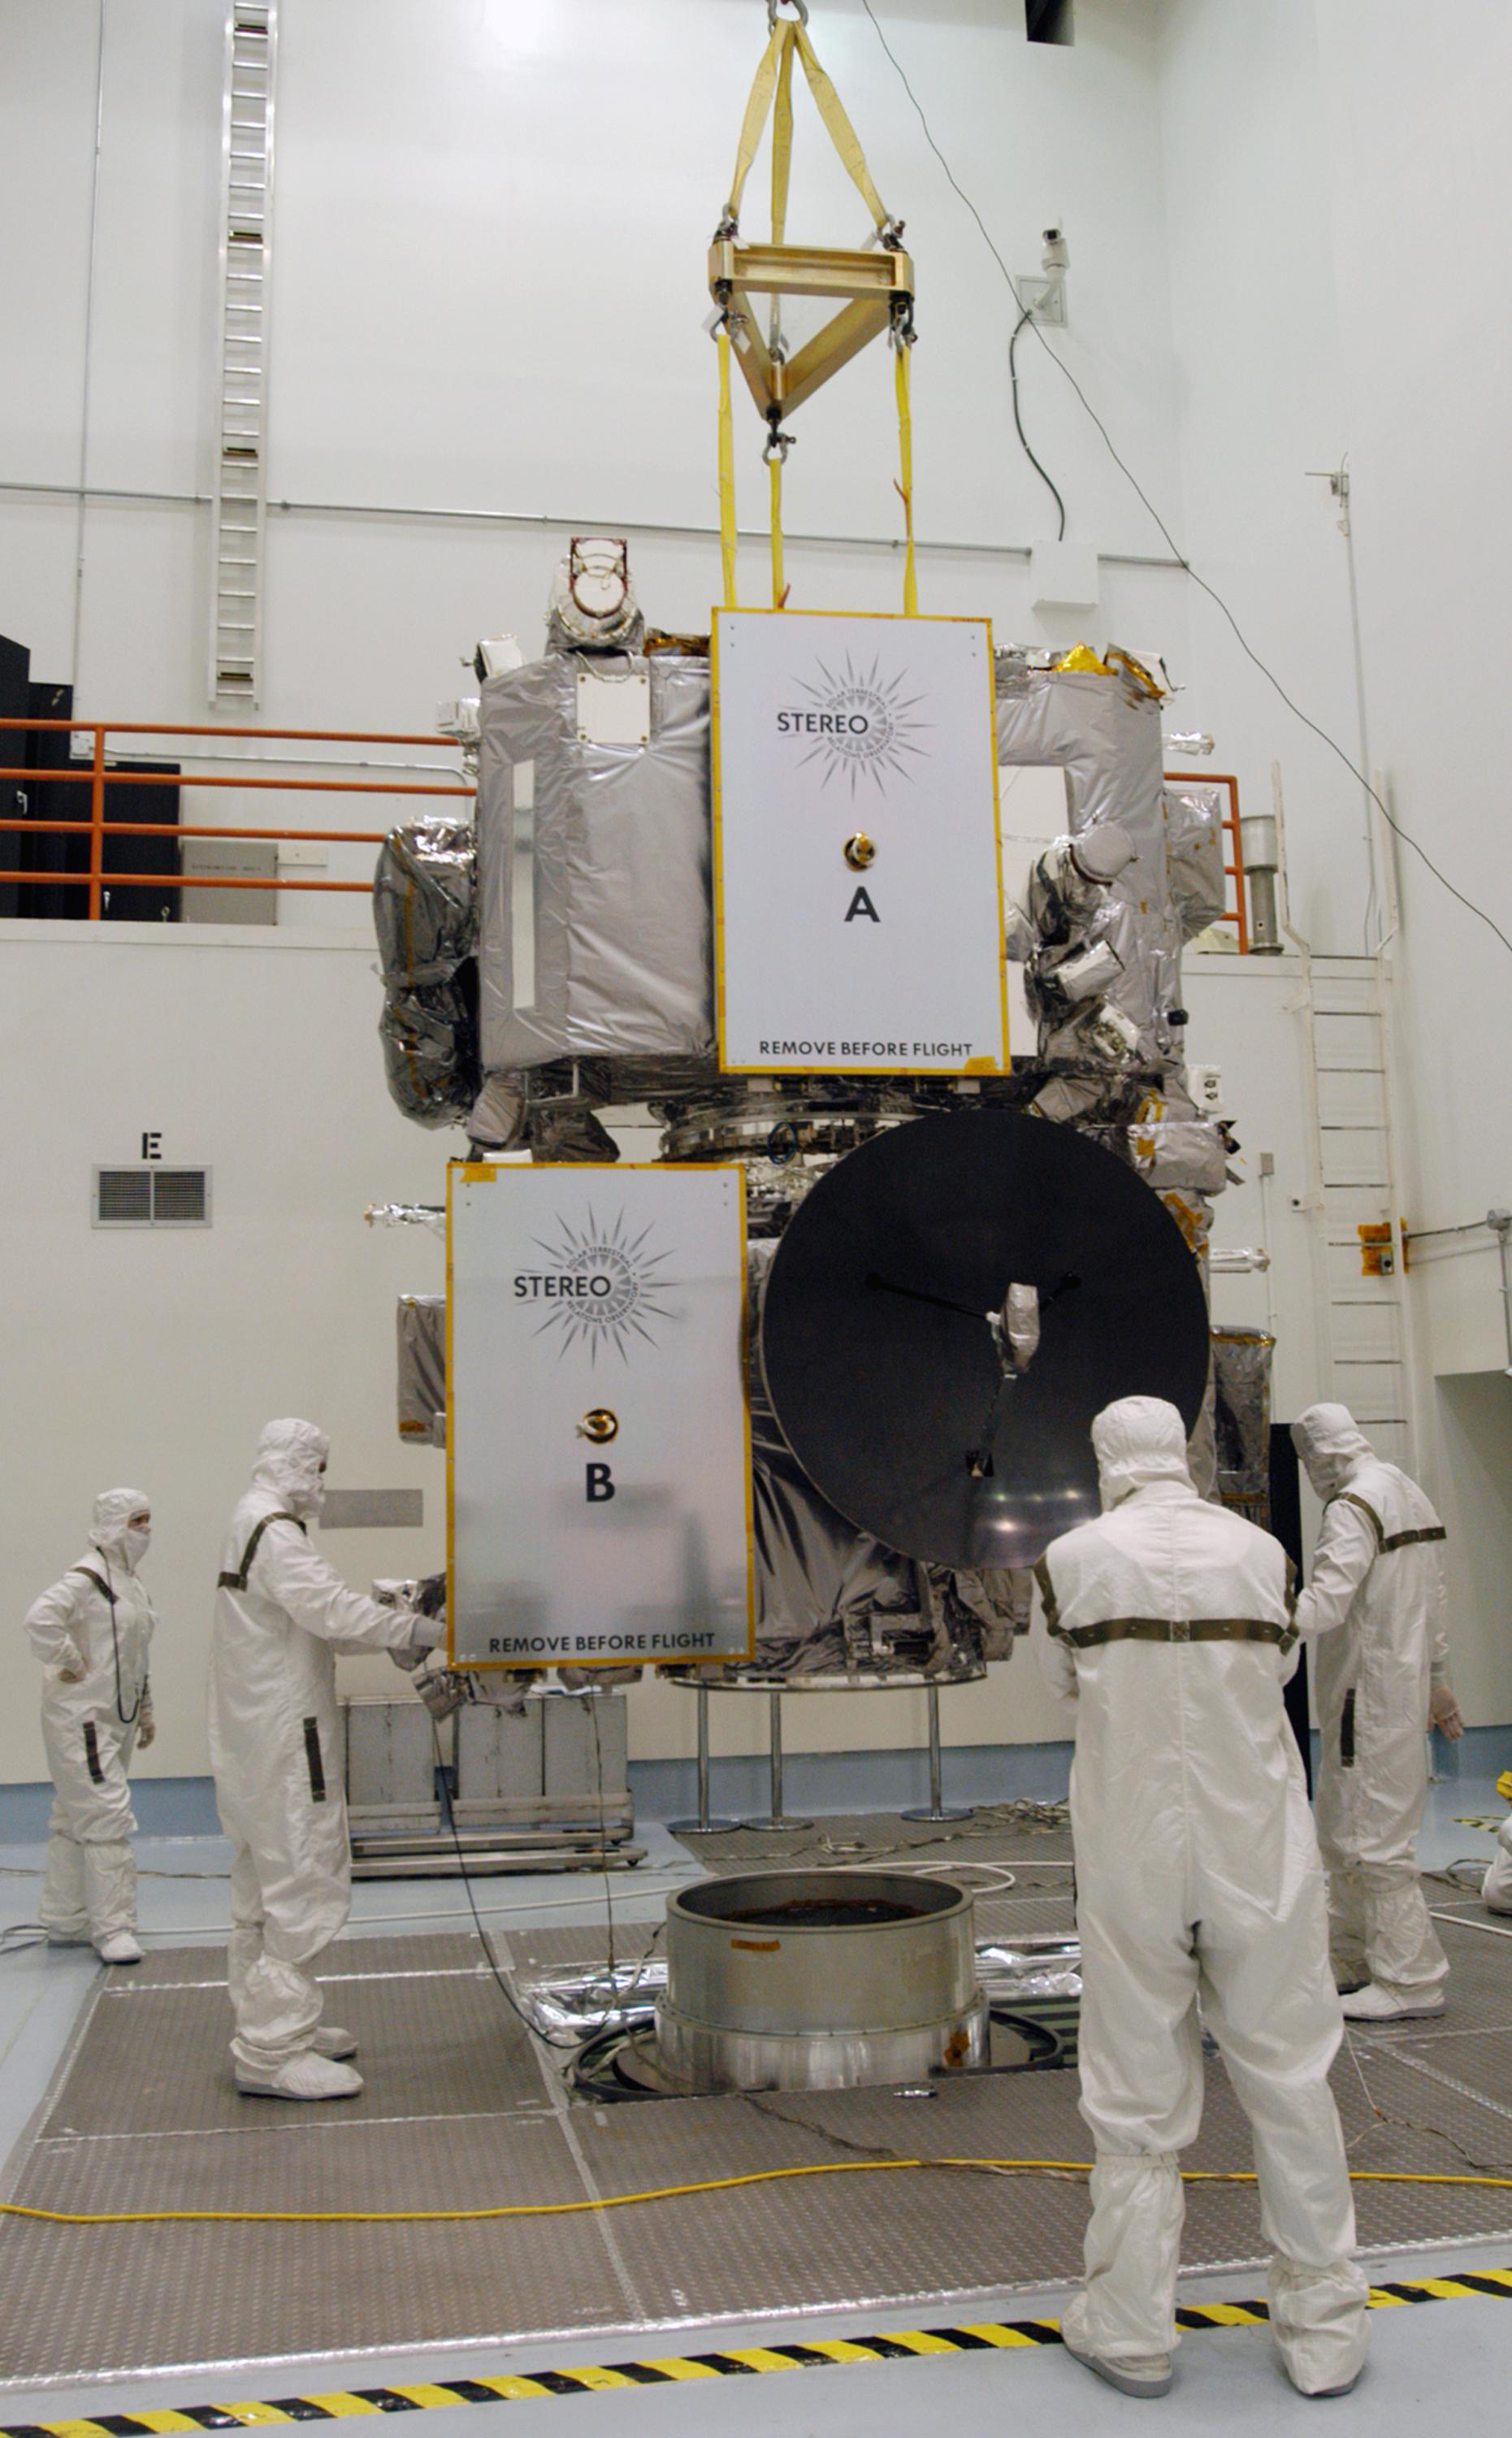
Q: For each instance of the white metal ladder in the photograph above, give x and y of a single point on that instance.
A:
(239, 498)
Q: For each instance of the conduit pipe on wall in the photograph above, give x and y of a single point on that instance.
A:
(542, 521)
(83, 490)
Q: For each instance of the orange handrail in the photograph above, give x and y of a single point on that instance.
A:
(159, 778)
(1235, 913)
(180, 879)
(184, 728)
(96, 827)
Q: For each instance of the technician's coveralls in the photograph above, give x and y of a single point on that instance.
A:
(1198, 1878)
(1376, 1602)
(282, 1615)
(93, 1625)
(1496, 1888)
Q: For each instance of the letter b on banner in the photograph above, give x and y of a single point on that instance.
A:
(599, 1483)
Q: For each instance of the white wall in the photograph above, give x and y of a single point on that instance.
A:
(153, 1357)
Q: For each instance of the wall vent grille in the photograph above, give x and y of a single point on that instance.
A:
(151, 1197)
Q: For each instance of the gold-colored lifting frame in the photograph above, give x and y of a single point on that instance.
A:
(873, 285)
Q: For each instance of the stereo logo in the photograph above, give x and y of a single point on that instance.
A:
(602, 1286)
(858, 725)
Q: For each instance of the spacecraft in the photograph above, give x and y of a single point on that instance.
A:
(796, 1405)
(888, 1215)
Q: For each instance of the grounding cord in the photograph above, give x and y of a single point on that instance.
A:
(617, 2005)
(485, 1941)
(1027, 315)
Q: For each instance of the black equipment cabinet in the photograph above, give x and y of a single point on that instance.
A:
(53, 800)
(15, 671)
(49, 797)
(134, 804)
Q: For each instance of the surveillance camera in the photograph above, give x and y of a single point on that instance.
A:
(1051, 236)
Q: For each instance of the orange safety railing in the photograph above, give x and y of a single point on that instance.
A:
(1235, 871)
(99, 770)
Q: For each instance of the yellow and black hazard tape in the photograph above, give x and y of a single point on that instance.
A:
(738, 2361)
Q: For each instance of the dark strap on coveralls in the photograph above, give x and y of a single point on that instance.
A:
(1164, 1628)
(1384, 1539)
(237, 1582)
(90, 1577)
(1176, 1629)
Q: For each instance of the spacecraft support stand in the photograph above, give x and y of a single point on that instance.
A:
(705, 1825)
(776, 1817)
(936, 1807)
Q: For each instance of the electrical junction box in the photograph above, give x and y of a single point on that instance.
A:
(599, 1446)
(857, 874)
(1064, 575)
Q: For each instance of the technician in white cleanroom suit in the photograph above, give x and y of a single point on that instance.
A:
(282, 1615)
(91, 1631)
(1496, 1888)
(1198, 1880)
(1375, 1600)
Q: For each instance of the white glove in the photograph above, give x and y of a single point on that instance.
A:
(1443, 1714)
(425, 1635)
(444, 1690)
(146, 1723)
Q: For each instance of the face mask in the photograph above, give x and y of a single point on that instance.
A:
(307, 1497)
(135, 1544)
(1327, 1470)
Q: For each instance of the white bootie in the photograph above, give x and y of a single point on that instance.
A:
(331, 2042)
(304, 2077)
(1374, 2005)
(1346, 2386)
(118, 1947)
(70, 1938)
(1131, 2375)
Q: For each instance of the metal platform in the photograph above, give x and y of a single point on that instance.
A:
(464, 2109)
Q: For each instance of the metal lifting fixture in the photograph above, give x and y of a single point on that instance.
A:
(873, 284)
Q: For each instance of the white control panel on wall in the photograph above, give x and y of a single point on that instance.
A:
(859, 915)
(599, 1463)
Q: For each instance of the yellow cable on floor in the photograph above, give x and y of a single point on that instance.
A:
(668, 2193)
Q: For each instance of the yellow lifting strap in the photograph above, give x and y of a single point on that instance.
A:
(778, 587)
(726, 473)
(781, 172)
(774, 72)
(910, 587)
(782, 138)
